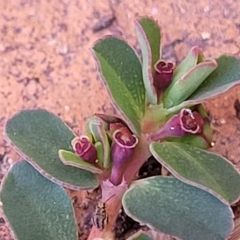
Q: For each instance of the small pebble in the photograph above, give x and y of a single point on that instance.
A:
(206, 9)
(154, 11)
(226, 13)
(66, 108)
(222, 121)
(2, 47)
(205, 35)
(63, 49)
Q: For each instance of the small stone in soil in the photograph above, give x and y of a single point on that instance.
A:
(237, 108)
(103, 23)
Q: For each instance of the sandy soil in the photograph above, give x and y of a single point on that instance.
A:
(46, 62)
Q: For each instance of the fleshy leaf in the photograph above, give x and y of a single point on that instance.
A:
(149, 37)
(140, 235)
(100, 152)
(194, 140)
(200, 168)
(122, 74)
(187, 63)
(97, 127)
(188, 83)
(222, 79)
(178, 209)
(226, 76)
(92, 125)
(38, 135)
(35, 207)
(71, 159)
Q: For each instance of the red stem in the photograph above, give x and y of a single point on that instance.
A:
(113, 206)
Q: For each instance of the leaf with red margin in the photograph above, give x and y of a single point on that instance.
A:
(71, 159)
(226, 76)
(149, 38)
(37, 136)
(178, 209)
(35, 207)
(122, 74)
(200, 168)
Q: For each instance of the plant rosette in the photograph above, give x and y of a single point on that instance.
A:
(160, 114)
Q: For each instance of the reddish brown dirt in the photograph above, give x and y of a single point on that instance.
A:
(46, 62)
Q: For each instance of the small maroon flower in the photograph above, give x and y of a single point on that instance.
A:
(191, 122)
(85, 149)
(179, 125)
(122, 149)
(164, 74)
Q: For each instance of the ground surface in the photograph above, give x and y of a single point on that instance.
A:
(45, 59)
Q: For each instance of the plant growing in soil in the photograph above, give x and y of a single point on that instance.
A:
(160, 115)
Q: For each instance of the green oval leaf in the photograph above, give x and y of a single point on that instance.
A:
(38, 136)
(186, 64)
(221, 80)
(122, 74)
(149, 38)
(178, 209)
(100, 153)
(226, 76)
(71, 159)
(200, 168)
(188, 83)
(194, 140)
(97, 127)
(35, 207)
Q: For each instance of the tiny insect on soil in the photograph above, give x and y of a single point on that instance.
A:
(100, 217)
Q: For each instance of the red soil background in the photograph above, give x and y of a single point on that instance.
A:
(46, 62)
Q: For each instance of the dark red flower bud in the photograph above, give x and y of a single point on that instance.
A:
(122, 149)
(191, 122)
(85, 149)
(164, 74)
(180, 124)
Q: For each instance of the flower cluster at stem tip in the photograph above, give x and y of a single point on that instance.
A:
(122, 142)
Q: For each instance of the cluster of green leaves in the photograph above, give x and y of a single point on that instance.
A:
(194, 203)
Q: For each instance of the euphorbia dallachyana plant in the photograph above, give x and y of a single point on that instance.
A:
(160, 114)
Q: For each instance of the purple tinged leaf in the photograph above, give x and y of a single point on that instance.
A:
(188, 83)
(226, 76)
(71, 159)
(194, 56)
(149, 38)
(107, 118)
